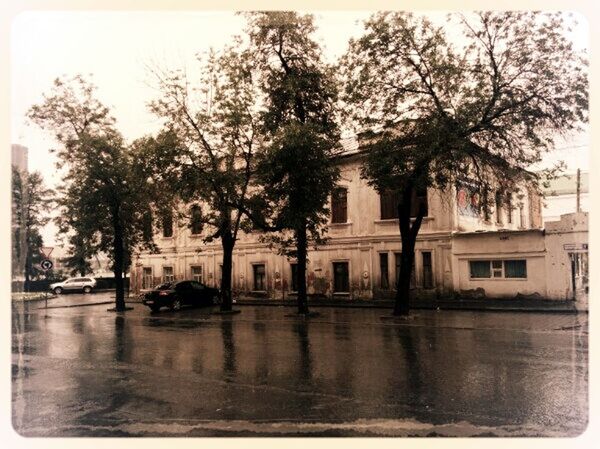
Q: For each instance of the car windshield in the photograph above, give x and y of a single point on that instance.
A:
(165, 286)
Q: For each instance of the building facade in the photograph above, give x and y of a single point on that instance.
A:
(361, 259)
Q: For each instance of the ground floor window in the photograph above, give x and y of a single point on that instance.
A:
(294, 268)
(341, 281)
(385, 277)
(197, 273)
(259, 277)
(147, 281)
(499, 269)
(427, 269)
(168, 275)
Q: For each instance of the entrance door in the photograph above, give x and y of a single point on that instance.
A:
(341, 281)
(579, 274)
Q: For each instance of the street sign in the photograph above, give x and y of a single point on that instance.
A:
(575, 246)
(46, 251)
(46, 264)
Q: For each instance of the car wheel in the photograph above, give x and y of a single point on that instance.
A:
(155, 308)
(176, 305)
(58, 290)
(87, 289)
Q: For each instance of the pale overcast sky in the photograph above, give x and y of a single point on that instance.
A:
(115, 47)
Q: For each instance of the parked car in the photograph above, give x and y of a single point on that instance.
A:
(174, 295)
(86, 285)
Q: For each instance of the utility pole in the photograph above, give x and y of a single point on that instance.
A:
(578, 190)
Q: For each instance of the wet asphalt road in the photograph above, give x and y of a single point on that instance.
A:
(87, 372)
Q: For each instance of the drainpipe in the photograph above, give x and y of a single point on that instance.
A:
(578, 190)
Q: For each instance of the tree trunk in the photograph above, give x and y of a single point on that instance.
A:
(118, 262)
(227, 244)
(27, 273)
(401, 305)
(408, 236)
(301, 249)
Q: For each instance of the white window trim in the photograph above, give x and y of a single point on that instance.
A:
(492, 278)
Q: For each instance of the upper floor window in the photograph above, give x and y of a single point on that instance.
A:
(390, 199)
(498, 207)
(196, 220)
(509, 207)
(147, 225)
(339, 205)
(167, 224)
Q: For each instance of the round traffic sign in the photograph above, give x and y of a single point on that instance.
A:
(46, 264)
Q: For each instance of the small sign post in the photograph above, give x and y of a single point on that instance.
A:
(46, 265)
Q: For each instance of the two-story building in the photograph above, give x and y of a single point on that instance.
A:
(361, 258)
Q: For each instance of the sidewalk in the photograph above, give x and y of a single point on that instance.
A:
(508, 305)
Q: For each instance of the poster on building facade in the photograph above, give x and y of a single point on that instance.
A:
(468, 199)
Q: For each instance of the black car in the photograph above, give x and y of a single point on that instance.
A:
(177, 294)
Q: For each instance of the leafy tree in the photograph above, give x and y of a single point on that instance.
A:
(429, 110)
(80, 252)
(215, 136)
(105, 194)
(30, 201)
(297, 172)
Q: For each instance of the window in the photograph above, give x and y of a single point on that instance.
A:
(398, 257)
(339, 205)
(167, 224)
(498, 269)
(486, 203)
(294, 268)
(341, 281)
(259, 277)
(515, 269)
(147, 225)
(419, 197)
(196, 220)
(197, 273)
(389, 203)
(521, 216)
(147, 281)
(498, 207)
(427, 269)
(383, 266)
(509, 207)
(168, 275)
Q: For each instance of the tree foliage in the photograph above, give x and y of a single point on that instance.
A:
(297, 172)
(31, 200)
(215, 136)
(105, 195)
(430, 109)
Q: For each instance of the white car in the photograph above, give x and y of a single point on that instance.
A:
(74, 284)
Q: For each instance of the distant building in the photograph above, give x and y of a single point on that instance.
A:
(19, 155)
(561, 196)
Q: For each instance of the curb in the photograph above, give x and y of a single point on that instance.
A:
(431, 306)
